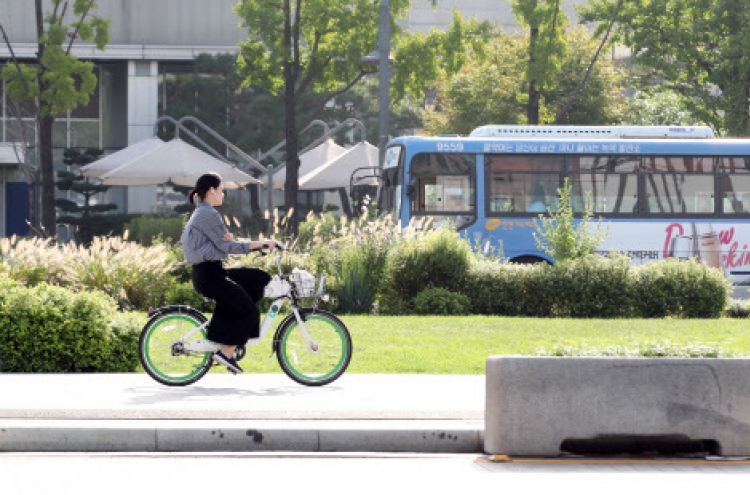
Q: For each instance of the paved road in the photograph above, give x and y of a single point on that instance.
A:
(312, 474)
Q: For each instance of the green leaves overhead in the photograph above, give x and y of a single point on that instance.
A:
(422, 59)
(334, 35)
(700, 48)
(59, 81)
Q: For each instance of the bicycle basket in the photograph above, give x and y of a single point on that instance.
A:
(304, 282)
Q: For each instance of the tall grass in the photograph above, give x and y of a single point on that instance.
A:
(134, 275)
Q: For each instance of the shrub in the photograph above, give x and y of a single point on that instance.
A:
(185, 293)
(439, 301)
(357, 285)
(496, 288)
(317, 229)
(684, 288)
(737, 309)
(561, 236)
(588, 287)
(149, 229)
(51, 329)
(437, 258)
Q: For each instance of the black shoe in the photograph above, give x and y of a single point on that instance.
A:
(230, 363)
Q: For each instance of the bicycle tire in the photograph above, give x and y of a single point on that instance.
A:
(314, 368)
(156, 342)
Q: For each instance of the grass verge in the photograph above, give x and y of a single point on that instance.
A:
(461, 345)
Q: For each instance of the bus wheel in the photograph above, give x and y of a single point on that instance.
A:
(528, 260)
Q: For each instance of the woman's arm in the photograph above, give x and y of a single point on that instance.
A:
(210, 224)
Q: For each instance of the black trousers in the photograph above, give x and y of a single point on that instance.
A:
(236, 317)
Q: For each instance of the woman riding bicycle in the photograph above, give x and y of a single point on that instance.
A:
(206, 241)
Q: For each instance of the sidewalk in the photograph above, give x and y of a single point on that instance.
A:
(253, 412)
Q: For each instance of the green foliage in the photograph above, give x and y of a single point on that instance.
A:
(135, 276)
(561, 236)
(60, 82)
(439, 301)
(436, 258)
(737, 309)
(333, 38)
(546, 23)
(697, 48)
(357, 284)
(185, 293)
(587, 287)
(497, 288)
(680, 288)
(492, 89)
(598, 287)
(54, 330)
(659, 106)
(147, 230)
(82, 216)
(424, 59)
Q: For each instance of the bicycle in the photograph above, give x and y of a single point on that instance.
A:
(313, 347)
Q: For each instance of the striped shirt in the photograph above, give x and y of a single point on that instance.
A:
(202, 240)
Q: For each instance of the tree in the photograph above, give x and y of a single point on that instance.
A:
(546, 24)
(56, 82)
(80, 215)
(423, 60)
(659, 106)
(694, 48)
(493, 89)
(297, 46)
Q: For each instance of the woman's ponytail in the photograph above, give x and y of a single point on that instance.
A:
(203, 184)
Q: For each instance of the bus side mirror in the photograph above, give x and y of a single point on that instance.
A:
(411, 189)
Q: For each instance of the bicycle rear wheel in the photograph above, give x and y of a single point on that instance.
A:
(164, 357)
(322, 365)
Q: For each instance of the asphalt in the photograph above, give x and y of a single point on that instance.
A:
(251, 412)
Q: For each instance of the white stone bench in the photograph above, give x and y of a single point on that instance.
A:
(545, 406)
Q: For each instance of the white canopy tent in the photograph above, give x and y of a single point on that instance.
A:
(152, 161)
(311, 160)
(337, 172)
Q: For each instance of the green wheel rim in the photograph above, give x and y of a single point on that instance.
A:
(173, 319)
(290, 359)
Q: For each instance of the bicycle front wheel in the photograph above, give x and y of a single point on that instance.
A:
(324, 361)
(162, 354)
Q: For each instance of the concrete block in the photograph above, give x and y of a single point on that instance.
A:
(534, 404)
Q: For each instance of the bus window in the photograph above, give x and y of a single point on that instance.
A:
(444, 186)
(522, 183)
(734, 184)
(679, 185)
(611, 182)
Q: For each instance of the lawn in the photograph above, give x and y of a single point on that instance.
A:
(461, 345)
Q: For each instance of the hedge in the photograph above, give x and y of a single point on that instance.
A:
(55, 330)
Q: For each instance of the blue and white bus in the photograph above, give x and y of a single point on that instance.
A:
(667, 192)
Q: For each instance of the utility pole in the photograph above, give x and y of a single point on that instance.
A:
(384, 70)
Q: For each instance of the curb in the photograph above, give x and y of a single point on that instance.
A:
(427, 436)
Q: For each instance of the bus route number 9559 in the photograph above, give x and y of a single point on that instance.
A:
(450, 146)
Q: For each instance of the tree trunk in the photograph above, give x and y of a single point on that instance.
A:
(291, 185)
(47, 176)
(532, 107)
(47, 172)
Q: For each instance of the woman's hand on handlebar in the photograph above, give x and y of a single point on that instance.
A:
(271, 245)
